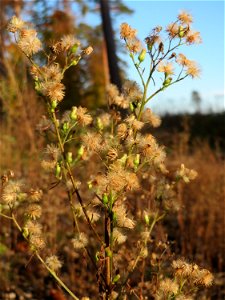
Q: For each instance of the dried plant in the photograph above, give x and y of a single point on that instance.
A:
(129, 168)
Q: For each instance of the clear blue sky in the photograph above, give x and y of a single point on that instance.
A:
(209, 20)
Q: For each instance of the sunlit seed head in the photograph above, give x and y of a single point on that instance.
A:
(93, 215)
(88, 50)
(92, 141)
(193, 37)
(80, 241)
(53, 263)
(68, 41)
(29, 44)
(53, 90)
(34, 211)
(182, 268)
(149, 117)
(33, 228)
(52, 73)
(127, 32)
(137, 125)
(118, 236)
(35, 195)
(53, 152)
(168, 286)
(112, 154)
(83, 117)
(166, 67)
(48, 165)
(185, 18)
(37, 242)
(122, 131)
(193, 69)
(182, 60)
(15, 24)
(11, 192)
(202, 277)
(173, 30)
(186, 174)
(134, 45)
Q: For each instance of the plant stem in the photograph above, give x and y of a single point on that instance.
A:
(57, 278)
(67, 167)
(61, 283)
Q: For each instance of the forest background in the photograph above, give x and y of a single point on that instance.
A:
(198, 234)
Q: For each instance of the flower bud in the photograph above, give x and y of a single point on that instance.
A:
(108, 252)
(105, 199)
(37, 87)
(131, 106)
(116, 278)
(167, 81)
(89, 183)
(74, 48)
(97, 256)
(146, 217)
(69, 157)
(99, 124)
(80, 151)
(54, 104)
(181, 31)
(137, 160)
(73, 114)
(65, 127)
(58, 171)
(75, 62)
(142, 55)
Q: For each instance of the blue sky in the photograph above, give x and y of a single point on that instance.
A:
(209, 20)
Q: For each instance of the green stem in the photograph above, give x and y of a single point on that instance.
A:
(67, 167)
(57, 278)
(5, 216)
(61, 283)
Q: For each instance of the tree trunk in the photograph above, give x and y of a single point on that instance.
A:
(110, 44)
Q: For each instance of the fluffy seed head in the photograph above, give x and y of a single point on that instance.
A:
(186, 174)
(15, 24)
(88, 50)
(33, 228)
(127, 32)
(30, 44)
(83, 118)
(11, 192)
(122, 131)
(168, 286)
(166, 67)
(149, 117)
(182, 60)
(193, 70)
(118, 236)
(35, 195)
(80, 241)
(53, 263)
(53, 90)
(68, 41)
(92, 141)
(193, 37)
(37, 241)
(185, 18)
(173, 30)
(34, 211)
(93, 215)
(134, 45)
(52, 73)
